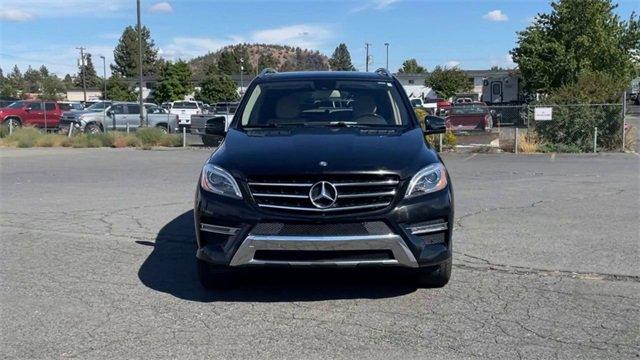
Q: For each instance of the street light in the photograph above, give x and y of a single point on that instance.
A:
(387, 46)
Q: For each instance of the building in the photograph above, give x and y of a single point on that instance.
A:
(414, 83)
(78, 94)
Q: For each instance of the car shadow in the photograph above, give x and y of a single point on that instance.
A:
(171, 268)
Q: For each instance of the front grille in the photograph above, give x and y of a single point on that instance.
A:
(329, 255)
(355, 193)
(338, 229)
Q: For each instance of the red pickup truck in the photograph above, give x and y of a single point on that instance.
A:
(469, 116)
(41, 114)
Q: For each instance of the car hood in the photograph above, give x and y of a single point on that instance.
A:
(299, 151)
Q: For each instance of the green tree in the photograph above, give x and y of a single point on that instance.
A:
(119, 90)
(228, 64)
(341, 59)
(44, 72)
(89, 71)
(267, 61)
(68, 81)
(32, 80)
(52, 88)
(448, 81)
(125, 55)
(217, 88)
(577, 36)
(175, 82)
(411, 66)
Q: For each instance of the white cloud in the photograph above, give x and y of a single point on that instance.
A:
(306, 36)
(375, 5)
(67, 8)
(15, 15)
(452, 63)
(495, 15)
(381, 4)
(161, 7)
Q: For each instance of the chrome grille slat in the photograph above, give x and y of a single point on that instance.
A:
(361, 195)
(313, 209)
(292, 196)
(280, 184)
(355, 192)
(369, 183)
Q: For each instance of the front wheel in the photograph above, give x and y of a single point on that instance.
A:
(163, 129)
(215, 276)
(13, 122)
(434, 276)
(92, 129)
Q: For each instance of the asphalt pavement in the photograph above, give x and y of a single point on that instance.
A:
(97, 261)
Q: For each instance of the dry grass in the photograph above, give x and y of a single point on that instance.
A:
(630, 139)
(528, 143)
(145, 138)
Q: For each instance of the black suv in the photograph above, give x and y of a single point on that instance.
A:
(324, 169)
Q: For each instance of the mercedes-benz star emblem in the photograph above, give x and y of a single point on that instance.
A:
(323, 194)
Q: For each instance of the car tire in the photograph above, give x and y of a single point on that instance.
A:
(211, 141)
(92, 129)
(434, 276)
(215, 276)
(15, 121)
(163, 128)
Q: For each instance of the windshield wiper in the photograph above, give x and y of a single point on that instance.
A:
(343, 124)
(273, 125)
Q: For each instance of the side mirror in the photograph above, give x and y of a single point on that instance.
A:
(215, 126)
(434, 125)
(110, 113)
(28, 109)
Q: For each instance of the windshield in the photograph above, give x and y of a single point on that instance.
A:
(184, 105)
(98, 106)
(470, 109)
(324, 102)
(16, 105)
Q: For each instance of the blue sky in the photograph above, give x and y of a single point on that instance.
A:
(472, 34)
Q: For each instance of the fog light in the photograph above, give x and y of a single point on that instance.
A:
(427, 228)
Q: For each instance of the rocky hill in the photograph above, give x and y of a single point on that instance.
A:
(258, 56)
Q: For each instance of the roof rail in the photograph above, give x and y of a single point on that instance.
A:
(383, 72)
(266, 71)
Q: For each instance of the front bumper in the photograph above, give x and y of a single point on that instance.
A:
(409, 233)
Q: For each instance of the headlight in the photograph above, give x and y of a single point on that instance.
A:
(430, 179)
(219, 181)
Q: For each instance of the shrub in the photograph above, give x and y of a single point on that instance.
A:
(450, 139)
(149, 136)
(25, 137)
(170, 140)
(4, 131)
(561, 148)
(528, 143)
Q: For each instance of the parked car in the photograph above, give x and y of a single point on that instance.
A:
(292, 186)
(41, 114)
(118, 116)
(205, 125)
(469, 116)
(6, 102)
(184, 110)
(71, 105)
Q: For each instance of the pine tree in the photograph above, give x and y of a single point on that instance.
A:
(341, 59)
(125, 55)
(411, 66)
(32, 80)
(90, 75)
(267, 61)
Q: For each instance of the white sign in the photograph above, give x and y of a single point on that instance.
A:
(543, 114)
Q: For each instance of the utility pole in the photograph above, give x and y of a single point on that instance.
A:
(366, 62)
(387, 46)
(241, 82)
(104, 92)
(82, 73)
(142, 122)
